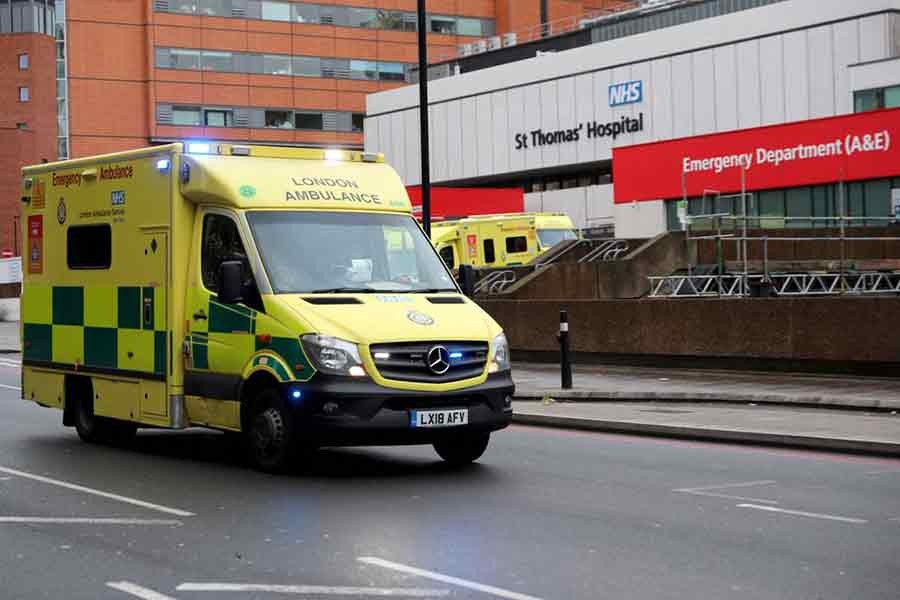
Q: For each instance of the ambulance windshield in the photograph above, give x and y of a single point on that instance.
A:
(551, 237)
(332, 252)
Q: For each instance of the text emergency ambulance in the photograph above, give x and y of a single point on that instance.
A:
(287, 294)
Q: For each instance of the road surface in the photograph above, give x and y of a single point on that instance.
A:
(546, 514)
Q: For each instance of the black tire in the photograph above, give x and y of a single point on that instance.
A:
(100, 430)
(462, 449)
(270, 436)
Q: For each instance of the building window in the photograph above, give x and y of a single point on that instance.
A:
(306, 13)
(218, 118)
(276, 11)
(876, 99)
(357, 121)
(308, 66)
(186, 116)
(470, 27)
(516, 244)
(23, 62)
(184, 59)
(276, 64)
(362, 17)
(218, 61)
(363, 69)
(309, 121)
(89, 246)
(443, 25)
(391, 71)
(279, 119)
(216, 8)
(24, 94)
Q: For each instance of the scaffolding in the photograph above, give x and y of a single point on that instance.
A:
(725, 227)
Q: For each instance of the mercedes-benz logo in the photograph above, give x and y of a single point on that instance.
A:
(439, 360)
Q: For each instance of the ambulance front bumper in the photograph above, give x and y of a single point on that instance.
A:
(339, 411)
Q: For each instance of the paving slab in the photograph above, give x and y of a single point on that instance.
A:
(642, 384)
(813, 428)
(9, 337)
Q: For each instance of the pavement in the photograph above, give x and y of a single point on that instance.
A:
(817, 412)
(545, 514)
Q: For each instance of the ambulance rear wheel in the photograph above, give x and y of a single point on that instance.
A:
(270, 436)
(462, 449)
(98, 430)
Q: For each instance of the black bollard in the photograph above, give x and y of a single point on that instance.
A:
(565, 362)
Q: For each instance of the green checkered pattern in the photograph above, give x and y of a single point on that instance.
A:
(110, 328)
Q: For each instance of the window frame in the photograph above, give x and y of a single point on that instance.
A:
(511, 249)
(24, 94)
(488, 249)
(93, 243)
(24, 61)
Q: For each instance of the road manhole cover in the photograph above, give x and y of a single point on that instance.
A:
(668, 411)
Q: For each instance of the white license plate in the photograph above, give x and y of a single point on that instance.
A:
(439, 418)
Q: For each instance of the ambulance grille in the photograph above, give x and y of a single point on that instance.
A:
(408, 361)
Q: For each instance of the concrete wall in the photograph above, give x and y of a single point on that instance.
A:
(623, 278)
(852, 333)
(590, 206)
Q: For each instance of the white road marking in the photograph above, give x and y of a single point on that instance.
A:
(10, 387)
(88, 521)
(487, 589)
(706, 490)
(80, 488)
(322, 590)
(801, 513)
(137, 591)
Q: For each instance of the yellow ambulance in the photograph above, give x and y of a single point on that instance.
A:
(494, 241)
(286, 294)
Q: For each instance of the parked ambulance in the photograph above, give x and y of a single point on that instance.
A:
(494, 241)
(286, 294)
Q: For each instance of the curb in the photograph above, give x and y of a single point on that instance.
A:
(775, 399)
(709, 434)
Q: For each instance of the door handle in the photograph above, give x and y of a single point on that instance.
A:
(200, 315)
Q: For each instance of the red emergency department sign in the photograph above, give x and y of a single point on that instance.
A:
(847, 148)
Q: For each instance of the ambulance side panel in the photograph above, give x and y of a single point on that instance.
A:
(95, 300)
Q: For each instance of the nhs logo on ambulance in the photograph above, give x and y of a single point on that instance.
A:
(629, 92)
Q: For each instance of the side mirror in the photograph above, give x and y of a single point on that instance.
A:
(230, 282)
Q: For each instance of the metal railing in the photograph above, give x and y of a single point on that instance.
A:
(738, 285)
(607, 251)
(495, 282)
(699, 286)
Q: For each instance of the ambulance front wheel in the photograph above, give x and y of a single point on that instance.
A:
(462, 449)
(270, 435)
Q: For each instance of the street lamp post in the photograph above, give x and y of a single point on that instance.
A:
(423, 119)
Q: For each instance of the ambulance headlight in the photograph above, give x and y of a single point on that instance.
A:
(333, 356)
(499, 354)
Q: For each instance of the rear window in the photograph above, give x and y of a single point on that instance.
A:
(89, 246)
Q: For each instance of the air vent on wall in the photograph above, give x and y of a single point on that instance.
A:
(164, 113)
(329, 121)
(241, 117)
(161, 5)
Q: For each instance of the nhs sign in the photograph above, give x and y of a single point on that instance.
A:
(629, 92)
